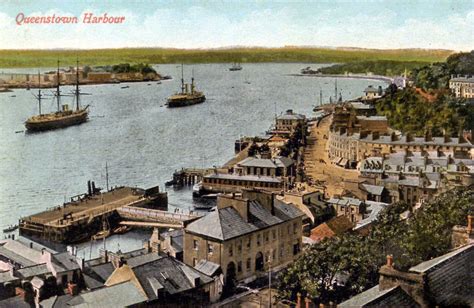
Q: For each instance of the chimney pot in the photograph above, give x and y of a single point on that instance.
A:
(389, 260)
(469, 223)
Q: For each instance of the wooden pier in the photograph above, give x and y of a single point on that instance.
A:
(189, 176)
(83, 217)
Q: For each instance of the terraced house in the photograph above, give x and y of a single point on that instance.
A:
(246, 235)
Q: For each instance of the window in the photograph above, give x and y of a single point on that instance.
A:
(194, 261)
(196, 244)
(296, 248)
(258, 239)
(274, 234)
(273, 254)
(266, 237)
(239, 247)
(239, 266)
(282, 251)
(249, 265)
(249, 242)
(231, 251)
(295, 228)
(288, 229)
(210, 249)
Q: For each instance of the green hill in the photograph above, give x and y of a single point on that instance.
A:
(48, 58)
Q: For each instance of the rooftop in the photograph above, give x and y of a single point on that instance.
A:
(252, 178)
(226, 223)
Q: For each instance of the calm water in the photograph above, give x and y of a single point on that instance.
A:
(142, 141)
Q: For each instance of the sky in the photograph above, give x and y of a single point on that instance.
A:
(214, 24)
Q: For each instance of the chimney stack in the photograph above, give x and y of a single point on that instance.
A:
(390, 261)
(469, 224)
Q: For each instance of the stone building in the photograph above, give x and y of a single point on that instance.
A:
(278, 166)
(288, 122)
(245, 235)
(416, 176)
(462, 86)
(231, 183)
(371, 92)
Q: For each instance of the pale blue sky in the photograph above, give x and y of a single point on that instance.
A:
(201, 24)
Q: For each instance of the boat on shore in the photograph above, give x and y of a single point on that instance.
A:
(235, 67)
(64, 116)
(188, 95)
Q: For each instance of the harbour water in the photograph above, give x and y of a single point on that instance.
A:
(142, 141)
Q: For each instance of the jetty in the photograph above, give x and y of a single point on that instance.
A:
(83, 216)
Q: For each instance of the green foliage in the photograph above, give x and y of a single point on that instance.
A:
(411, 113)
(48, 58)
(136, 68)
(318, 272)
(437, 75)
(380, 67)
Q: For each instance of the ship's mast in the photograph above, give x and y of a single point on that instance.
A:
(320, 97)
(58, 93)
(182, 78)
(39, 92)
(335, 91)
(77, 85)
(192, 82)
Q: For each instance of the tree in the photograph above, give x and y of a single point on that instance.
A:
(338, 268)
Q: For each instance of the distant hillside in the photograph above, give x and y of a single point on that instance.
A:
(48, 58)
(437, 75)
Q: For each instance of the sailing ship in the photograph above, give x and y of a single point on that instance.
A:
(64, 116)
(235, 67)
(187, 97)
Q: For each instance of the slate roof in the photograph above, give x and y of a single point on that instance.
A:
(207, 267)
(15, 257)
(462, 79)
(65, 260)
(142, 259)
(291, 116)
(373, 189)
(169, 273)
(372, 211)
(371, 89)
(226, 223)
(35, 270)
(374, 297)
(6, 277)
(119, 295)
(426, 266)
(257, 162)
(100, 272)
(15, 301)
(252, 178)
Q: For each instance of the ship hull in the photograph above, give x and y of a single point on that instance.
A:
(60, 122)
(174, 103)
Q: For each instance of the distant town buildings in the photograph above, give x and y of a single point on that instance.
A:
(462, 86)
(371, 93)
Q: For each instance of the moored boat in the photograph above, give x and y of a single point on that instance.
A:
(10, 228)
(64, 116)
(235, 67)
(188, 95)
